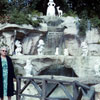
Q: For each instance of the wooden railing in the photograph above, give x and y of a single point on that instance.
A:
(80, 91)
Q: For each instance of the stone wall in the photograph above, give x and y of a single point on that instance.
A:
(29, 37)
(83, 67)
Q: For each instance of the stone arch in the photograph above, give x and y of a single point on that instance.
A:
(59, 71)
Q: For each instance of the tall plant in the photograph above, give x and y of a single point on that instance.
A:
(25, 6)
(3, 7)
(83, 23)
(95, 22)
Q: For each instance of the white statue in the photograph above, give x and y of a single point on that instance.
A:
(51, 8)
(57, 51)
(60, 12)
(19, 48)
(40, 46)
(66, 52)
(28, 68)
(97, 68)
(84, 47)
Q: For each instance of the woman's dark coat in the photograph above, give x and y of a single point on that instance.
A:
(11, 75)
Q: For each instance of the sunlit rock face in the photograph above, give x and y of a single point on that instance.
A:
(93, 36)
(82, 66)
(26, 34)
(93, 40)
(71, 23)
(29, 43)
(64, 33)
(73, 45)
(62, 29)
(29, 36)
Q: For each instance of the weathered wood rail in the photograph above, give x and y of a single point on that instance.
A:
(80, 91)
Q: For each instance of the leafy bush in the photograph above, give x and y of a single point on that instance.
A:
(17, 17)
(70, 13)
(99, 42)
(34, 23)
(35, 13)
(4, 19)
(82, 27)
(95, 22)
(20, 18)
(3, 7)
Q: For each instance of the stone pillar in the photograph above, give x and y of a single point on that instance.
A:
(10, 38)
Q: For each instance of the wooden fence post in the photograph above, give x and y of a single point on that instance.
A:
(18, 88)
(43, 90)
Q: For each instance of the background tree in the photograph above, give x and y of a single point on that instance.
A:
(91, 6)
(24, 6)
(85, 9)
(3, 7)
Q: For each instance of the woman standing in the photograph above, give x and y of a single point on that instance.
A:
(6, 75)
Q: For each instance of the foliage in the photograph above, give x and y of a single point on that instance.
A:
(70, 13)
(35, 13)
(26, 6)
(95, 22)
(34, 23)
(21, 18)
(3, 7)
(83, 14)
(83, 23)
(4, 19)
(99, 42)
(18, 17)
(17, 11)
(82, 27)
(92, 6)
(33, 4)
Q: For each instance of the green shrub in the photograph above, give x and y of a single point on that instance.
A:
(35, 13)
(34, 23)
(70, 13)
(99, 42)
(17, 17)
(20, 18)
(82, 27)
(95, 22)
(3, 7)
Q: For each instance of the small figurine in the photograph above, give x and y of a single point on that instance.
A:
(84, 47)
(19, 48)
(40, 46)
(66, 52)
(60, 12)
(28, 68)
(57, 51)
